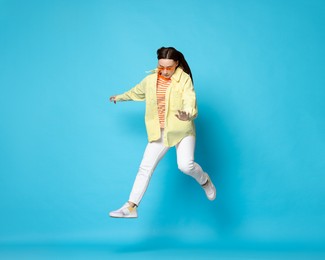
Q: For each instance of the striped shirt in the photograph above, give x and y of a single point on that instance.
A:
(162, 85)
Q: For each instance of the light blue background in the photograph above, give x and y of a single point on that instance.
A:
(68, 156)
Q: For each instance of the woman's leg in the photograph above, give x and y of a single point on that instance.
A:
(185, 161)
(153, 154)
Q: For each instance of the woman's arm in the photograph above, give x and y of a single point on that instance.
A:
(136, 93)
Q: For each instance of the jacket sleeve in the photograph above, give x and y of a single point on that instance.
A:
(189, 99)
(136, 93)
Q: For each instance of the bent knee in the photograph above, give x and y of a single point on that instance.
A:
(187, 167)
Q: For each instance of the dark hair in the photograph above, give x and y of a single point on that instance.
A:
(173, 54)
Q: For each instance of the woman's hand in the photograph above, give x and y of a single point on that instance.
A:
(112, 99)
(183, 116)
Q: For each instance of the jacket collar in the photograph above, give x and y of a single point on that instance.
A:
(177, 74)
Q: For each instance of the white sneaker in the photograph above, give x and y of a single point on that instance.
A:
(210, 190)
(125, 212)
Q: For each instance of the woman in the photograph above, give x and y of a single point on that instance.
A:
(170, 111)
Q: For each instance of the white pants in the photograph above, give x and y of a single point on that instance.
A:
(154, 152)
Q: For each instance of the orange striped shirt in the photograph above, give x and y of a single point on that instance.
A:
(162, 85)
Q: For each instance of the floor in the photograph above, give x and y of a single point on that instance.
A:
(36, 252)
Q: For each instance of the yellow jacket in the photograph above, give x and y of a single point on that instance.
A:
(180, 95)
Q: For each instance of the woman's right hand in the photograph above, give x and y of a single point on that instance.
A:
(113, 99)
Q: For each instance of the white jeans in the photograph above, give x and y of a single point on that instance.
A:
(154, 152)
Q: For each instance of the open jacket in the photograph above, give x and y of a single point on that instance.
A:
(180, 95)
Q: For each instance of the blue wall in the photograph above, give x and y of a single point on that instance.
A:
(68, 156)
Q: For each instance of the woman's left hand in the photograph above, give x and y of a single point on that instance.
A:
(183, 116)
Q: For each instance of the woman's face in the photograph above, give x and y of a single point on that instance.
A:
(167, 67)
